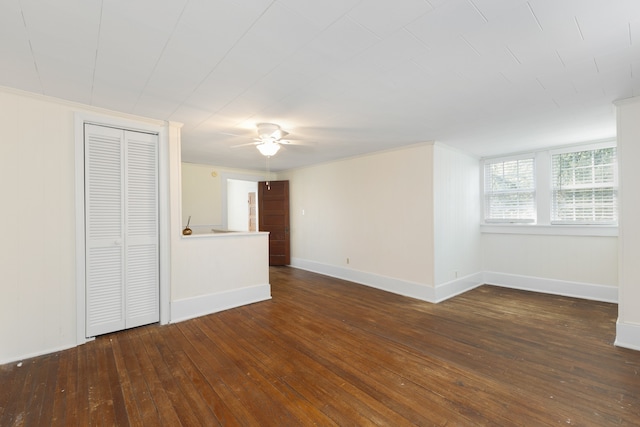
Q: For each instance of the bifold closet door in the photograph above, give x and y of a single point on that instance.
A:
(121, 231)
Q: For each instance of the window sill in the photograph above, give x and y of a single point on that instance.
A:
(552, 230)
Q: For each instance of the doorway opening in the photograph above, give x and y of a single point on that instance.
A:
(239, 205)
(234, 197)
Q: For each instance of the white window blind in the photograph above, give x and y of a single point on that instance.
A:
(585, 187)
(509, 190)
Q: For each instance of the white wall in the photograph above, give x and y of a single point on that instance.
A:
(38, 288)
(202, 194)
(38, 304)
(238, 203)
(375, 210)
(37, 257)
(211, 264)
(628, 328)
(408, 221)
(584, 259)
(576, 261)
(212, 272)
(457, 214)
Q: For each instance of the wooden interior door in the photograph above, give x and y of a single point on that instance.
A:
(273, 216)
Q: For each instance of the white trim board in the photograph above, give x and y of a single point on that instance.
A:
(444, 291)
(627, 335)
(397, 286)
(389, 284)
(604, 293)
(447, 290)
(190, 308)
(38, 353)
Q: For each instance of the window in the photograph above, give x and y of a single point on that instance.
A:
(509, 190)
(569, 186)
(584, 187)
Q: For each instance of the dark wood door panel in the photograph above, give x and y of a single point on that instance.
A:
(276, 205)
(274, 220)
(273, 216)
(277, 236)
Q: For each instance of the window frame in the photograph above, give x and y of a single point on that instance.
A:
(543, 196)
(589, 147)
(506, 159)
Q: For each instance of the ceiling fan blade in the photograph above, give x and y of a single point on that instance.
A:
(270, 131)
(235, 132)
(247, 144)
(297, 142)
(237, 135)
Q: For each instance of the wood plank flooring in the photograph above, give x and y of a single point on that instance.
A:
(328, 352)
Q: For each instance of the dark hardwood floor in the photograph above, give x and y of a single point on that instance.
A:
(328, 352)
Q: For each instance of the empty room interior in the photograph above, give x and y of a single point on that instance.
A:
(293, 212)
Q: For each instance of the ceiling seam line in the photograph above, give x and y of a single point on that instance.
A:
(215, 67)
(344, 15)
(477, 9)
(575, 18)
(513, 55)
(535, 17)
(95, 58)
(155, 66)
(33, 55)
(470, 45)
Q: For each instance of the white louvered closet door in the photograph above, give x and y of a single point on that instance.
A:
(142, 305)
(121, 215)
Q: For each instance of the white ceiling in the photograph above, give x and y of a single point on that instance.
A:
(347, 76)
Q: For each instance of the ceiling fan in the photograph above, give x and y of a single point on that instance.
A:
(269, 139)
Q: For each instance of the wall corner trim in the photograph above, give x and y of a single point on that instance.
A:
(627, 335)
(447, 290)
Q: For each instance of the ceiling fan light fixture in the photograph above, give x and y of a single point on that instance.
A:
(268, 148)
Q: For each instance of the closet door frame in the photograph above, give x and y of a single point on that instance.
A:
(162, 130)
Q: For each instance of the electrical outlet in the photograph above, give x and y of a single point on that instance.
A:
(347, 260)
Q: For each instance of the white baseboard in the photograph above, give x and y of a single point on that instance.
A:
(189, 308)
(444, 291)
(389, 284)
(604, 293)
(627, 335)
(447, 290)
(20, 358)
(184, 309)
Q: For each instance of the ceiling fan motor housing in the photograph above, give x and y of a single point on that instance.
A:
(270, 131)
